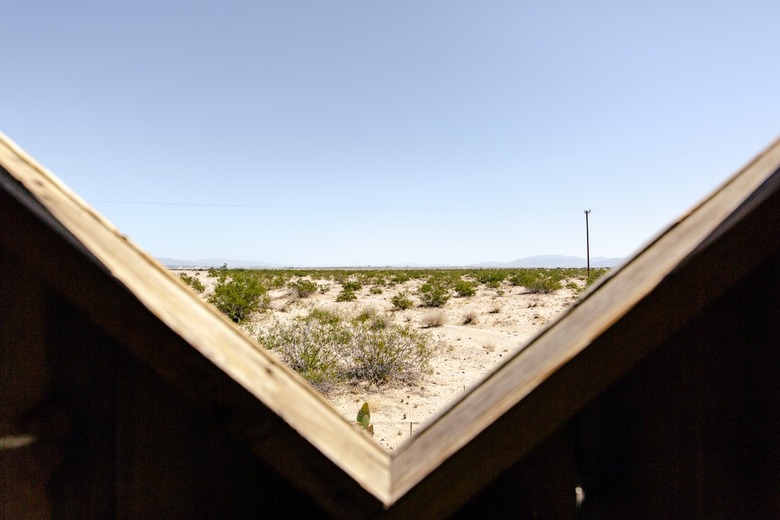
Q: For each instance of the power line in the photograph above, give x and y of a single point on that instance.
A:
(198, 204)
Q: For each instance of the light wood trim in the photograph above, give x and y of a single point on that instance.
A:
(572, 332)
(213, 335)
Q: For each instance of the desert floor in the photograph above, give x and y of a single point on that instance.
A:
(506, 318)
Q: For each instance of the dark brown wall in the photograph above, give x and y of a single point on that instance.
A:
(691, 432)
(24, 391)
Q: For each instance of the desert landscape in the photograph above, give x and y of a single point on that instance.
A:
(470, 335)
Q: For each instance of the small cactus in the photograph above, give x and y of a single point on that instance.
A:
(364, 420)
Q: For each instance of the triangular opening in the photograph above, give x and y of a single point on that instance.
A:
(404, 342)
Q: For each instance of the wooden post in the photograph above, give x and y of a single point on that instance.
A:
(587, 241)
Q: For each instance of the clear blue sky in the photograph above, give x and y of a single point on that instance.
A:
(390, 132)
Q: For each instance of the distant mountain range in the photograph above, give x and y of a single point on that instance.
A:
(549, 261)
(555, 261)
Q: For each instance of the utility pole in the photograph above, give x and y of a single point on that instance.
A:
(587, 240)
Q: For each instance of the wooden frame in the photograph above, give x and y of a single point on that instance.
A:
(295, 430)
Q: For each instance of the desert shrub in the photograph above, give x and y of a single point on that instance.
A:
(239, 295)
(346, 295)
(325, 316)
(400, 277)
(491, 278)
(539, 281)
(522, 278)
(220, 273)
(394, 353)
(464, 288)
(277, 282)
(470, 318)
(371, 278)
(401, 301)
(338, 276)
(370, 318)
(193, 281)
(351, 285)
(303, 288)
(311, 347)
(326, 349)
(375, 290)
(543, 284)
(434, 293)
(595, 274)
(434, 319)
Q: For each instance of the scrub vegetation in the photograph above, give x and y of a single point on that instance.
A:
(339, 346)
(327, 348)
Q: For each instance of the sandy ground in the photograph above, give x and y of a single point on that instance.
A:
(505, 320)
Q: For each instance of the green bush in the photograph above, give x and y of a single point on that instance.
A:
(220, 274)
(193, 281)
(352, 285)
(400, 277)
(370, 318)
(326, 349)
(491, 278)
(543, 284)
(595, 274)
(464, 288)
(346, 295)
(312, 348)
(303, 288)
(538, 281)
(397, 353)
(238, 295)
(522, 278)
(277, 282)
(401, 301)
(434, 293)
(325, 316)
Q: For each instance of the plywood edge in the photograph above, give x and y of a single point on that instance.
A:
(207, 331)
(574, 331)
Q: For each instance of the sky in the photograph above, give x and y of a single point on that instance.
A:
(347, 133)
